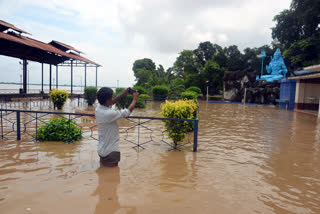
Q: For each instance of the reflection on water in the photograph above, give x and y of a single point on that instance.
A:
(108, 181)
(251, 159)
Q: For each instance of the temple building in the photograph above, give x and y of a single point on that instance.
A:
(307, 89)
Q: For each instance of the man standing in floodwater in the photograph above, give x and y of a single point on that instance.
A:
(108, 130)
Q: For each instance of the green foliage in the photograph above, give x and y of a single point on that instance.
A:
(140, 103)
(119, 90)
(234, 59)
(145, 63)
(194, 89)
(58, 97)
(186, 63)
(160, 92)
(177, 87)
(304, 52)
(204, 52)
(125, 101)
(297, 30)
(90, 94)
(182, 109)
(144, 97)
(189, 95)
(214, 74)
(143, 76)
(59, 129)
(140, 89)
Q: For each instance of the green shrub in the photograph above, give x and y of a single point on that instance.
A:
(195, 89)
(125, 101)
(90, 94)
(140, 89)
(182, 109)
(143, 97)
(58, 129)
(189, 95)
(160, 92)
(58, 97)
(119, 90)
(140, 104)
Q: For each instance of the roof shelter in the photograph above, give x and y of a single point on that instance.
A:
(308, 89)
(13, 44)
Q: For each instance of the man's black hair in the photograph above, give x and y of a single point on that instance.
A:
(104, 94)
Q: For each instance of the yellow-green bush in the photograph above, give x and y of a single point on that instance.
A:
(58, 97)
(181, 109)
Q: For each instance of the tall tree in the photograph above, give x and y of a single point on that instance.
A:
(143, 70)
(186, 63)
(298, 31)
(144, 63)
(212, 73)
(288, 28)
(234, 58)
(204, 52)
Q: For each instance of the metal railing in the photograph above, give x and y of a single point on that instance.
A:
(14, 124)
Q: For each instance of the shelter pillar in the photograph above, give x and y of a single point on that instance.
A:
(25, 76)
(97, 76)
(57, 76)
(41, 77)
(50, 77)
(85, 75)
(71, 75)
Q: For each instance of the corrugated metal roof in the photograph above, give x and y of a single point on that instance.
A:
(308, 76)
(312, 68)
(5, 26)
(42, 46)
(65, 46)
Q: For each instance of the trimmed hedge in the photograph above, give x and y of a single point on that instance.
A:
(90, 94)
(160, 92)
(125, 101)
(143, 97)
(195, 89)
(140, 89)
(189, 95)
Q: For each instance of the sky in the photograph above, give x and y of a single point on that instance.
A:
(115, 33)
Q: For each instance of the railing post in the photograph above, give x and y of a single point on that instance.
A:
(69, 129)
(138, 133)
(195, 136)
(1, 125)
(78, 100)
(319, 109)
(36, 126)
(18, 126)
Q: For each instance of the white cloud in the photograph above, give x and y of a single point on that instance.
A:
(114, 33)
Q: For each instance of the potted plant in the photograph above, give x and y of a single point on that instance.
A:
(90, 94)
(58, 97)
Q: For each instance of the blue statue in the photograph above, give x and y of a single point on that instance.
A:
(276, 68)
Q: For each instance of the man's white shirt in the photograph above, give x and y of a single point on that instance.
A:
(108, 129)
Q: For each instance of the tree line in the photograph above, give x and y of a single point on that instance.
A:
(297, 34)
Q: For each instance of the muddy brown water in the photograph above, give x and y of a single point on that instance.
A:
(250, 159)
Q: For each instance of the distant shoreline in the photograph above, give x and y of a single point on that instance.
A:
(45, 84)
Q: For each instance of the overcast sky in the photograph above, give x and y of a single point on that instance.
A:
(115, 33)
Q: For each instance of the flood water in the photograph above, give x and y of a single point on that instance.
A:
(250, 159)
